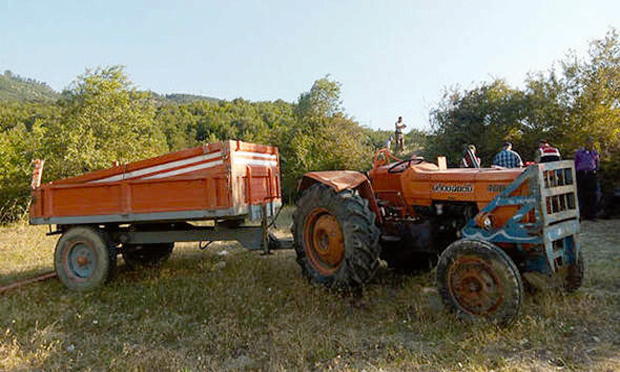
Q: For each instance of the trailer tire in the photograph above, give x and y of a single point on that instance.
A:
(477, 279)
(84, 258)
(335, 238)
(574, 276)
(146, 254)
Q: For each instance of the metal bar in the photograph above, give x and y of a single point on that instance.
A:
(145, 217)
(559, 216)
(563, 164)
(557, 190)
(250, 237)
(20, 283)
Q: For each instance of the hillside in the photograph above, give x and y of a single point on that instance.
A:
(188, 98)
(16, 88)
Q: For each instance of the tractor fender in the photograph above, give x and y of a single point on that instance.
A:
(343, 180)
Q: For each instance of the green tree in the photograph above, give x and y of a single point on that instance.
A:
(322, 101)
(103, 119)
(322, 137)
(485, 116)
(593, 86)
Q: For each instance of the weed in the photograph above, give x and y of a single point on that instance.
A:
(202, 310)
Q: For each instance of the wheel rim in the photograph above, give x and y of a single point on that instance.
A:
(324, 241)
(475, 286)
(81, 260)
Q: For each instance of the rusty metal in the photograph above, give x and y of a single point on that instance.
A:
(324, 241)
(475, 286)
(20, 283)
(338, 180)
(37, 173)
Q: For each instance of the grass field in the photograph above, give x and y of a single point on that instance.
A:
(225, 308)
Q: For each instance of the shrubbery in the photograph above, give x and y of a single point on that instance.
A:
(102, 118)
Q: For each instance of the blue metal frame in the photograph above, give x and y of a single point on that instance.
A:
(552, 241)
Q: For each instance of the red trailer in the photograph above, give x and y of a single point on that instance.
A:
(141, 209)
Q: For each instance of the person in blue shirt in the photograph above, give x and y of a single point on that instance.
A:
(507, 157)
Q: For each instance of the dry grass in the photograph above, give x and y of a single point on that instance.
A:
(204, 310)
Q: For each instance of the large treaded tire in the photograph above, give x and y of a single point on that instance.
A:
(335, 238)
(477, 279)
(146, 254)
(84, 258)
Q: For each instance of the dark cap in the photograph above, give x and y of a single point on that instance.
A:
(506, 143)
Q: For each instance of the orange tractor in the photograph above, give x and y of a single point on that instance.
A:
(488, 228)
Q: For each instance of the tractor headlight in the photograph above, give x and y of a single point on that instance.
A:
(487, 223)
(485, 220)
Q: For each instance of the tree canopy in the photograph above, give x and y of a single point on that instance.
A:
(101, 117)
(565, 105)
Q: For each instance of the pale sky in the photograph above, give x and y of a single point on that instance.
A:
(392, 58)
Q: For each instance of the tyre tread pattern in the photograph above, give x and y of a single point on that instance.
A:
(514, 294)
(361, 236)
(106, 267)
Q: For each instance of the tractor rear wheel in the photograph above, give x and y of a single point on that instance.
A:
(146, 254)
(477, 279)
(336, 239)
(84, 258)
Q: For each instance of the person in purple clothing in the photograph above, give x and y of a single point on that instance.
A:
(586, 165)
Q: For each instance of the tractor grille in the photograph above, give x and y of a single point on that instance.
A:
(558, 191)
(560, 211)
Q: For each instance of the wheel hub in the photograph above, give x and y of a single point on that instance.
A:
(81, 260)
(324, 241)
(475, 286)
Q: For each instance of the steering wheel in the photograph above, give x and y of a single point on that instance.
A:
(409, 162)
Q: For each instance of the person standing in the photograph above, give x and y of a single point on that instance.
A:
(388, 142)
(507, 157)
(398, 133)
(470, 160)
(546, 153)
(586, 165)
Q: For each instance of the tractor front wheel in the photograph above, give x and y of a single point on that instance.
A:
(477, 279)
(336, 239)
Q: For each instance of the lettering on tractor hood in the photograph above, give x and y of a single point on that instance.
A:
(496, 188)
(453, 188)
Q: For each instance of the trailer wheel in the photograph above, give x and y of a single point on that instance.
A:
(336, 239)
(84, 258)
(476, 279)
(574, 276)
(146, 254)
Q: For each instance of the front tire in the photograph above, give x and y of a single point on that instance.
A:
(335, 238)
(476, 279)
(84, 259)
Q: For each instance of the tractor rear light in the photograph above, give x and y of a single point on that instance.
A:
(485, 220)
